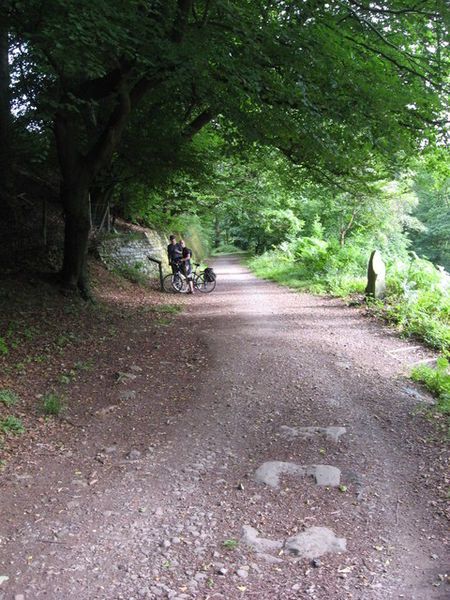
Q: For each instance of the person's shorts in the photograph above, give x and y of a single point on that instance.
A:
(187, 271)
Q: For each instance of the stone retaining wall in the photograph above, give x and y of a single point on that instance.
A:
(130, 248)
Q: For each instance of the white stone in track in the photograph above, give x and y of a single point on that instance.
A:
(271, 471)
(311, 543)
(315, 542)
(307, 433)
(251, 538)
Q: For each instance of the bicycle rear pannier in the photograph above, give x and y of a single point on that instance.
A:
(209, 274)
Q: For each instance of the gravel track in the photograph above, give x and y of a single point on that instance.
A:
(147, 496)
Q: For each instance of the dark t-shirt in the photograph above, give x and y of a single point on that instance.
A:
(174, 252)
(187, 252)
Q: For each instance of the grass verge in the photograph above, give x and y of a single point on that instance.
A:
(437, 381)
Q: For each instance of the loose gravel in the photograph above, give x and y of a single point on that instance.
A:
(152, 493)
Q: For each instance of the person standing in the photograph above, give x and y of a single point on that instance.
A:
(174, 253)
(186, 265)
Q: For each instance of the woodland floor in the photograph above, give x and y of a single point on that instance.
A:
(142, 487)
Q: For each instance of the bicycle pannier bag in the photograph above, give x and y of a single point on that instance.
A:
(209, 274)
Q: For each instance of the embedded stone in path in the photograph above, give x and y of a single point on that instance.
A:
(307, 433)
(251, 538)
(122, 377)
(325, 475)
(311, 543)
(127, 395)
(134, 455)
(270, 473)
(315, 542)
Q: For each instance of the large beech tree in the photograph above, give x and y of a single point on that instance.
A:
(331, 84)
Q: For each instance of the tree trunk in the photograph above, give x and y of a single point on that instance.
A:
(79, 171)
(216, 232)
(79, 168)
(75, 199)
(344, 229)
(5, 116)
(76, 181)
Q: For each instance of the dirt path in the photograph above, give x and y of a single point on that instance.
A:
(152, 493)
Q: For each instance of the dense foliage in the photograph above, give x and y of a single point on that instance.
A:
(318, 259)
(432, 186)
(112, 93)
(307, 133)
(331, 234)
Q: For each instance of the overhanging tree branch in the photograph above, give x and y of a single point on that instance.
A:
(392, 11)
(198, 123)
(102, 87)
(395, 62)
(103, 149)
(383, 38)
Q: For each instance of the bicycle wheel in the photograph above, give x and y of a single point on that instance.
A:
(179, 284)
(167, 284)
(204, 286)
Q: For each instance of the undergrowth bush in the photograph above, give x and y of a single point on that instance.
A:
(226, 249)
(11, 425)
(8, 397)
(52, 404)
(437, 381)
(173, 309)
(133, 274)
(315, 265)
(418, 301)
(3, 346)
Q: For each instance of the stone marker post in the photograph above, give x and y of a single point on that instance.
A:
(376, 276)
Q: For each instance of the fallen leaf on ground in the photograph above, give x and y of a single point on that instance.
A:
(345, 570)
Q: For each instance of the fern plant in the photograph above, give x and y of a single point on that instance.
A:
(437, 380)
(8, 397)
(12, 425)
